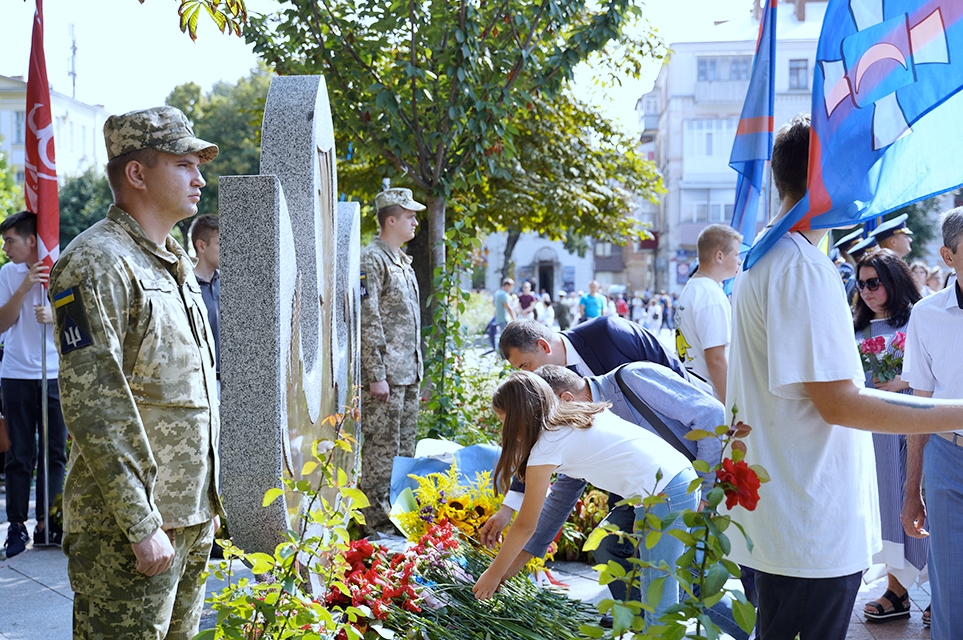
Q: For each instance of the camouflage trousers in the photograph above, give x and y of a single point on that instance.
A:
(388, 430)
(112, 601)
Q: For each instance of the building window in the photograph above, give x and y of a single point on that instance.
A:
(20, 178)
(798, 74)
(603, 249)
(739, 69)
(724, 68)
(707, 205)
(707, 70)
(695, 205)
(19, 127)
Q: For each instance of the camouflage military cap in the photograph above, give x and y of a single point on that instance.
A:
(399, 197)
(163, 128)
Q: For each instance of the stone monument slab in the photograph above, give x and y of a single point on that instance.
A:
(290, 297)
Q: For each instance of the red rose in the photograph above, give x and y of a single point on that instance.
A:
(740, 483)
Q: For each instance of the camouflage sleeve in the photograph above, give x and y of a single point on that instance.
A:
(90, 298)
(373, 344)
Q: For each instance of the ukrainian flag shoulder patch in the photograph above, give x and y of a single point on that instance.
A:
(64, 297)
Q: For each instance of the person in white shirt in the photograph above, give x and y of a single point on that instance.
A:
(542, 435)
(24, 313)
(932, 368)
(796, 379)
(703, 314)
(638, 308)
(546, 312)
(654, 321)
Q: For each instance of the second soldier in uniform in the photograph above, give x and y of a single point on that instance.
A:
(391, 365)
(138, 392)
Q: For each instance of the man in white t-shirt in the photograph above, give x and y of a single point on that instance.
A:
(931, 365)
(703, 314)
(796, 379)
(24, 312)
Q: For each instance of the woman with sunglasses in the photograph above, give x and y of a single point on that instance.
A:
(887, 293)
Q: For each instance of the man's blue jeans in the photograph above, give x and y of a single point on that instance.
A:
(943, 470)
(668, 549)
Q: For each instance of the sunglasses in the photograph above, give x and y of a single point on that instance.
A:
(872, 284)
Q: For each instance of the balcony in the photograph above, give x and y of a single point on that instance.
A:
(722, 91)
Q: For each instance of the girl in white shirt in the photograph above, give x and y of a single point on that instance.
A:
(542, 435)
(546, 312)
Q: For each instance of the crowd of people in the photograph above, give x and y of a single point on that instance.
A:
(653, 310)
(846, 444)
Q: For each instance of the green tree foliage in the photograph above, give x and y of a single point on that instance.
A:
(11, 195)
(228, 15)
(230, 117)
(432, 93)
(923, 222)
(574, 175)
(84, 200)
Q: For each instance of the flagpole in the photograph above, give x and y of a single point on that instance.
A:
(45, 424)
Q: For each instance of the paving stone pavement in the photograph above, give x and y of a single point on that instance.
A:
(36, 599)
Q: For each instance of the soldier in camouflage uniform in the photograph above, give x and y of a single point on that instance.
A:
(391, 366)
(138, 392)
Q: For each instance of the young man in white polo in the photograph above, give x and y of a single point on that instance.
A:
(703, 314)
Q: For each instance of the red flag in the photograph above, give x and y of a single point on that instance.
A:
(41, 165)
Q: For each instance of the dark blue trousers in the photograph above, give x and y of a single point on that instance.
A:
(814, 608)
(22, 408)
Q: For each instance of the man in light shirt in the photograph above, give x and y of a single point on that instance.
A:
(704, 314)
(931, 365)
(796, 379)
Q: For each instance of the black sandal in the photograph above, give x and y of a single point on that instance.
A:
(926, 617)
(899, 610)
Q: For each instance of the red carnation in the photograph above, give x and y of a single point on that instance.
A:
(740, 483)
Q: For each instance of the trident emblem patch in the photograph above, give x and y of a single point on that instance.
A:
(72, 337)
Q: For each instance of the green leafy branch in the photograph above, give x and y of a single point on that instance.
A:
(703, 568)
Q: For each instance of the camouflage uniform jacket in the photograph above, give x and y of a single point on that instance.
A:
(390, 317)
(137, 383)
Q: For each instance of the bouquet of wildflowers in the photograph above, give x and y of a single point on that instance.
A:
(442, 497)
(884, 361)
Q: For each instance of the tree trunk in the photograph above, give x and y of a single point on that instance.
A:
(417, 248)
(510, 242)
(427, 250)
(436, 231)
(436, 243)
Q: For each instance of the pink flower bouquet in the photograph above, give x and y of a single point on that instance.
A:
(885, 363)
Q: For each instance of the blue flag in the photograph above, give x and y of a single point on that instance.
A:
(885, 113)
(752, 148)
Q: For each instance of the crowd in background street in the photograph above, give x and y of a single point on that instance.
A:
(653, 310)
